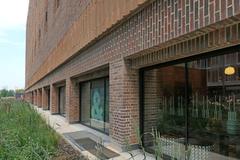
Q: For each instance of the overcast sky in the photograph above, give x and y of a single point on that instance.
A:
(13, 15)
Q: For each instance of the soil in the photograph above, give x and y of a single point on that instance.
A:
(67, 152)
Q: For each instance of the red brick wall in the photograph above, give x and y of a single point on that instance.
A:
(69, 28)
(155, 25)
(44, 99)
(72, 101)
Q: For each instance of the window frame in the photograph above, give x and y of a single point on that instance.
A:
(105, 79)
(224, 51)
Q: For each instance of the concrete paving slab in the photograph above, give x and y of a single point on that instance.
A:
(59, 123)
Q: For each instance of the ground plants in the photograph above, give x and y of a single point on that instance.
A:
(24, 134)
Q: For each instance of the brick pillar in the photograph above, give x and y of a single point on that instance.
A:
(54, 100)
(32, 96)
(44, 99)
(152, 91)
(26, 97)
(124, 102)
(72, 101)
(35, 98)
(39, 97)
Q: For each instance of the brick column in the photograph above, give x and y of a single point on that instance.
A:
(32, 97)
(124, 102)
(72, 101)
(39, 96)
(27, 97)
(35, 97)
(53, 100)
(44, 99)
(152, 92)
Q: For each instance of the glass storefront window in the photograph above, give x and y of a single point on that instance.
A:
(164, 106)
(208, 91)
(94, 104)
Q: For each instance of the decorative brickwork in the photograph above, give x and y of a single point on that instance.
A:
(73, 26)
(184, 47)
(72, 101)
(161, 31)
(54, 99)
(124, 102)
(39, 98)
(44, 99)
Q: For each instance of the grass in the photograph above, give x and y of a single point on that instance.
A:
(24, 135)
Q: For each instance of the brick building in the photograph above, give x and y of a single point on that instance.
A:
(113, 65)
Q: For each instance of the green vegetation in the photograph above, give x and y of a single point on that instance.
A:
(10, 93)
(24, 135)
(6, 93)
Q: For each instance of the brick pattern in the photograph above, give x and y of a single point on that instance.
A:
(159, 22)
(44, 99)
(124, 102)
(54, 99)
(72, 101)
(35, 97)
(205, 42)
(46, 27)
(150, 29)
(151, 112)
(39, 97)
(73, 26)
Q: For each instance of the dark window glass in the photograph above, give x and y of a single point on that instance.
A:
(61, 101)
(95, 105)
(164, 105)
(208, 91)
(214, 130)
(85, 103)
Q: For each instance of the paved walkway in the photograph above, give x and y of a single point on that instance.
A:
(59, 123)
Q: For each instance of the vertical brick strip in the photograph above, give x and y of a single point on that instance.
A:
(40, 97)
(37, 98)
(72, 101)
(53, 99)
(44, 99)
(124, 102)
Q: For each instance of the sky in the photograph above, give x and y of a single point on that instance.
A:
(13, 15)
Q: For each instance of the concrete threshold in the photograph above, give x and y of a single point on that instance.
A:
(62, 127)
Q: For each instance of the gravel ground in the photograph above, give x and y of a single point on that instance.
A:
(67, 152)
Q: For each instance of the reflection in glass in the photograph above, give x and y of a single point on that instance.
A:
(164, 109)
(85, 103)
(212, 98)
(213, 123)
(97, 104)
(62, 109)
(94, 104)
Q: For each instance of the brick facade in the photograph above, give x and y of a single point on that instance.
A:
(54, 99)
(72, 101)
(155, 32)
(44, 99)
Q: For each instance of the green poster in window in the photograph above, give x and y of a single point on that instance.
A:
(97, 109)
